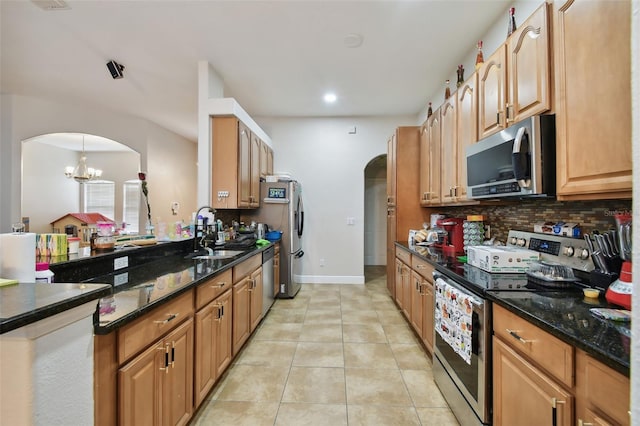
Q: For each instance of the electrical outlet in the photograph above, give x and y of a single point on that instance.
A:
(121, 262)
(121, 279)
(175, 206)
(322, 262)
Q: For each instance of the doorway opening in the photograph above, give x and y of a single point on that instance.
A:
(375, 212)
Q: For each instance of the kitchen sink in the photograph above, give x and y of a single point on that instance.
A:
(219, 254)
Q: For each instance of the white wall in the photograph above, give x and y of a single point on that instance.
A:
(25, 117)
(330, 163)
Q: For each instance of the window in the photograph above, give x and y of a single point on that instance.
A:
(131, 206)
(100, 197)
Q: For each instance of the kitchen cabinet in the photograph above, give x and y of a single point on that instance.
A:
(417, 303)
(430, 144)
(247, 299)
(514, 82)
(235, 163)
(448, 151)
(213, 344)
(403, 281)
(266, 160)
(403, 201)
(423, 276)
(155, 388)
(593, 89)
(602, 394)
(524, 395)
(467, 130)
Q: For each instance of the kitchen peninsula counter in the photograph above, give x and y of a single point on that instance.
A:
(564, 313)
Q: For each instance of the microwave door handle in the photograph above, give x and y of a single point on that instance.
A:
(521, 158)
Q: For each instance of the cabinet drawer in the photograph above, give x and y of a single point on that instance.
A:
(422, 267)
(139, 334)
(403, 255)
(247, 267)
(545, 350)
(212, 288)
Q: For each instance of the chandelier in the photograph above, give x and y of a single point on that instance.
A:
(82, 173)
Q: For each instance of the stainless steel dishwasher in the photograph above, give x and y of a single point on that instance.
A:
(267, 279)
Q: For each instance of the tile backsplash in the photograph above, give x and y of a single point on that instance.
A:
(521, 215)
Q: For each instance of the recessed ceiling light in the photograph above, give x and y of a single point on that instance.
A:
(330, 98)
(353, 40)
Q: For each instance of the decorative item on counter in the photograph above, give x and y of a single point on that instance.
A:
(512, 21)
(429, 111)
(142, 176)
(479, 56)
(43, 274)
(460, 73)
(473, 231)
(447, 90)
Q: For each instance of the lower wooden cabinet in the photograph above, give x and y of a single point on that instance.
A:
(247, 307)
(213, 345)
(156, 387)
(524, 395)
(417, 302)
(255, 296)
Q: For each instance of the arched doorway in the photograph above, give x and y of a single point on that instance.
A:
(375, 211)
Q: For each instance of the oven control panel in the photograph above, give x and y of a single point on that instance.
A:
(572, 252)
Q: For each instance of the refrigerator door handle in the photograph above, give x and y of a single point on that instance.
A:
(299, 254)
(300, 216)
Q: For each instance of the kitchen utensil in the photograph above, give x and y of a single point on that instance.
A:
(587, 238)
(611, 244)
(599, 260)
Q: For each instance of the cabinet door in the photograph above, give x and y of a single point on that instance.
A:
(467, 107)
(434, 153)
(177, 406)
(528, 68)
(269, 161)
(391, 170)
(491, 94)
(406, 291)
(276, 274)
(224, 346)
(244, 165)
(254, 179)
(264, 158)
(523, 395)
(416, 302)
(255, 288)
(140, 387)
(427, 314)
(392, 283)
(448, 150)
(397, 294)
(241, 322)
(206, 321)
(592, 63)
(425, 165)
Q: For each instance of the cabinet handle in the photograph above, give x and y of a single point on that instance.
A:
(455, 191)
(510, 116)
(173, 354)
(421, 266)
(499, 122)
(514, 334)
(581, 423)
(219, 285)
(554, 410)
(219, 317)
(171, 317)
(166, 358)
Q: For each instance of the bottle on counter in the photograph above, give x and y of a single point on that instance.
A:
(43, 274)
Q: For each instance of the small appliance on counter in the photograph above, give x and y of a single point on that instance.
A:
(454, 238)
(620, 291)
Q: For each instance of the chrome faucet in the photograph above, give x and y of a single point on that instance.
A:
(199, 243)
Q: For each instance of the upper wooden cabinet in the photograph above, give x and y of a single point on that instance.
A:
(235, 164)
(430, 161)
(448, 150)
(593, 86)
(467, 131)
(391, 170)
(514, 82)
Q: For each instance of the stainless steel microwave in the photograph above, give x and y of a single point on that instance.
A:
(519, 161)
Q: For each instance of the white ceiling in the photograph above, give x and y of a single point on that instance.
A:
(277, 58)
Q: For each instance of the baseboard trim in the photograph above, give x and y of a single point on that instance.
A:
(332, 279)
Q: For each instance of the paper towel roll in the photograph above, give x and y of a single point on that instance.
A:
(18, 256)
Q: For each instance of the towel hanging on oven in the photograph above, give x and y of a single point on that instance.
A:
(453, 314)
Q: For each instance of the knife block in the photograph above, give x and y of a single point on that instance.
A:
(602, 280)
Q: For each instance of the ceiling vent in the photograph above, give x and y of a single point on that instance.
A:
(51, 4)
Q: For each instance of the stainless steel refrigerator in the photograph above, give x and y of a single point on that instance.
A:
(281, 209)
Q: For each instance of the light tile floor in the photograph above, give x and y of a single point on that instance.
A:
(333, 355)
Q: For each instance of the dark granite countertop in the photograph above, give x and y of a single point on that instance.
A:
(137, 290)
(26, 303)
(563, 313)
